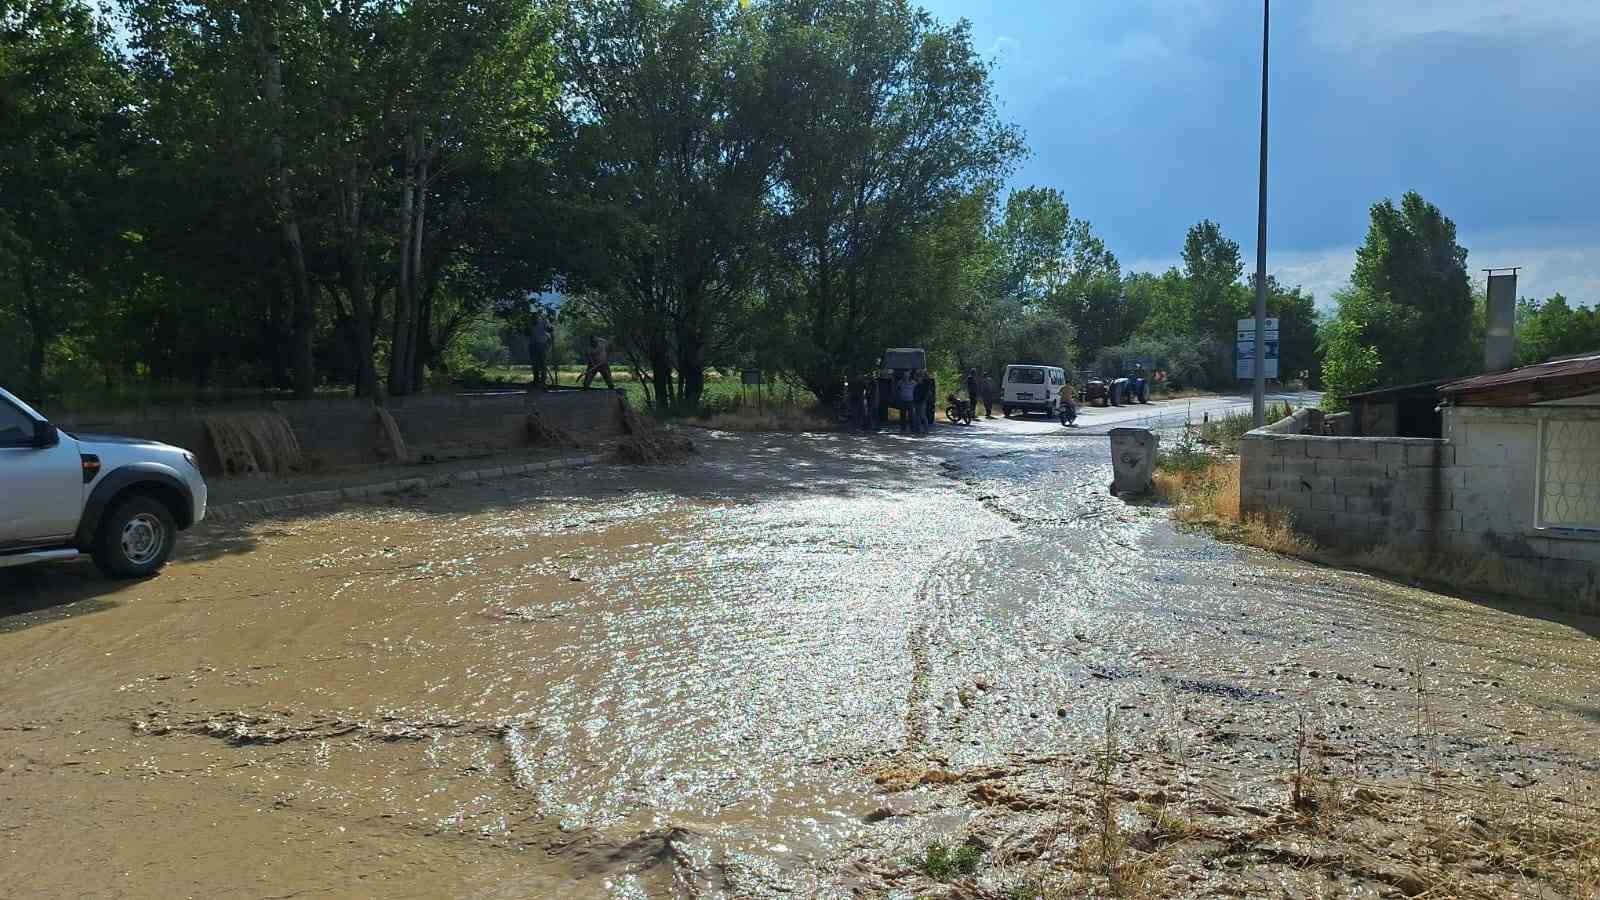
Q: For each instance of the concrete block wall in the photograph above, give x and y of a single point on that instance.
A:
(1472, 495)
(1349, 492)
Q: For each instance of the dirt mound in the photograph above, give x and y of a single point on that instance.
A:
(389, 444)
(254, 444)
(648, 445)
(547, 434)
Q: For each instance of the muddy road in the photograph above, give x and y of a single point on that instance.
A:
(739, 677)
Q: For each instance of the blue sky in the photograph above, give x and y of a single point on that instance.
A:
(1144, 114)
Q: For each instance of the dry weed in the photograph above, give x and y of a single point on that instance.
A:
(1208, 495)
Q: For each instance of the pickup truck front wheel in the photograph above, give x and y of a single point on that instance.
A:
(135, 538)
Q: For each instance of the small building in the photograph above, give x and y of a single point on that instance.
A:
(1407, 410)
(1509, 486)
(1542, 423)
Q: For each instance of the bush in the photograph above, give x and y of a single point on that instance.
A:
(942, 863)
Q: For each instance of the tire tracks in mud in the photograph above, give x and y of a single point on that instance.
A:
(919, 646)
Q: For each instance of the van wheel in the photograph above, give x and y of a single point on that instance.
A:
(1005, 411)
(136, 539)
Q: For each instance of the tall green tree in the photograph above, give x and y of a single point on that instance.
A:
(64, 103)
(1091, 295)
(672, 109)
(889, 120)
(1409, 308)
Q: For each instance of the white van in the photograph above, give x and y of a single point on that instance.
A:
(1033, 388)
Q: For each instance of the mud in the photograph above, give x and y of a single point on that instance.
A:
(781, 669)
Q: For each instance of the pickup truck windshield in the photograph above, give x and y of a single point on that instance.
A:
(1025, 376)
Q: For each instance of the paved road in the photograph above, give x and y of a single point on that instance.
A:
(713, 680)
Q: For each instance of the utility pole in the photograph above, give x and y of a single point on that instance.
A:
(1259, 396)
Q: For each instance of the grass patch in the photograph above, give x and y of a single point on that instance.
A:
(1225, 431)
(941, 862)
(1202, 486)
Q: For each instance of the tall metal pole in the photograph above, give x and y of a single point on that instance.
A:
(1260, 394)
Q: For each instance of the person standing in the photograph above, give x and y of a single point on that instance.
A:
(599, 363)
(905, 396)
(919, 403)
(986, 391)
(539, 336)
(972, 388)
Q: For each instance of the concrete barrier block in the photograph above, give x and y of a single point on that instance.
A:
(1355, 529)
(1358, 449)
(1352, 468)
(1425, 455)
(1402, 522)
(1367, 506)
(1300, 468)
(1327, 501)
(1390, 454)
(1287, 447)
(1439, 520)
(1323, 448)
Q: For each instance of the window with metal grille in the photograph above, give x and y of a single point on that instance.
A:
(1569, 474)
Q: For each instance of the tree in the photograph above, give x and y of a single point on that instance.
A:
(1091, 295)
(63, 108)
(672, 107)
(1164, 299)
(1553, 328)
(1211, 267)
(890, 125)
(1033, 240)
(1408, 314)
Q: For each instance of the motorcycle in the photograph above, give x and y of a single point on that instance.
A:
(959, 411)
(1069, 412)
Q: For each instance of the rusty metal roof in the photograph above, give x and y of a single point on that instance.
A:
(1551, 380)
(1418, 387)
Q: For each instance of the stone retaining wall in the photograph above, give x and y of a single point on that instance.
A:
(344, 431)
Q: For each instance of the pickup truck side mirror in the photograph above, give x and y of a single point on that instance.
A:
(45, 435)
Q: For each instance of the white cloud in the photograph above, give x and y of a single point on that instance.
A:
(1365, 22)
(1547, 267)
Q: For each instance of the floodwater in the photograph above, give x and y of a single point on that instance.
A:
(701, 680)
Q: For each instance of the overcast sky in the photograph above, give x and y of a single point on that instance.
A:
(1144, 114)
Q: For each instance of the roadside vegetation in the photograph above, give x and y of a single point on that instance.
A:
(1143, 819)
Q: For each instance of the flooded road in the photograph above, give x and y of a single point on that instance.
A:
(731, 678)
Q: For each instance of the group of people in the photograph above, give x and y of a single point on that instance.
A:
(597, 357)
(915, 395)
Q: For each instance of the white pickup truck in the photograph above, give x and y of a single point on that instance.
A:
(123, 500)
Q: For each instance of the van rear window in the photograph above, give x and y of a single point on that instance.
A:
(1025, 376)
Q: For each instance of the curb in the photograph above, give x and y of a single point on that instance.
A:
(248, 509)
